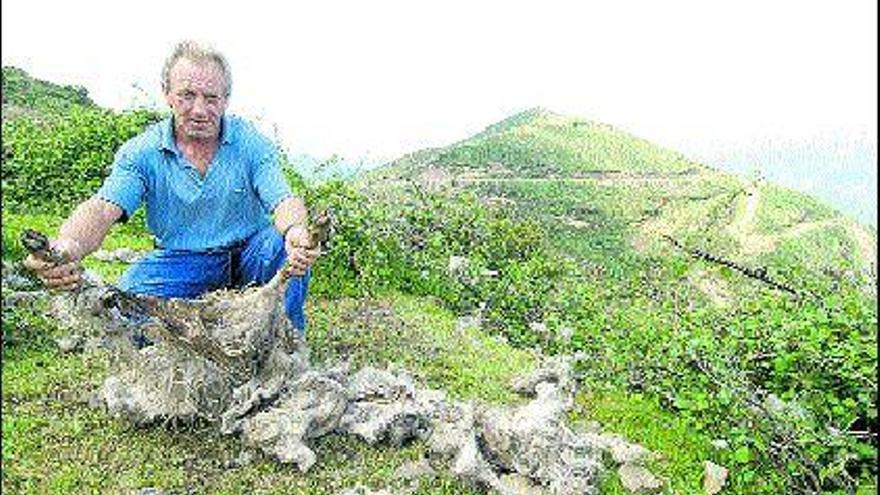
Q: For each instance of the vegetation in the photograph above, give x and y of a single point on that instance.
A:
(551, 232)
(40, 97)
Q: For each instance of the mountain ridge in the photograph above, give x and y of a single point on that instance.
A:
(553, 166)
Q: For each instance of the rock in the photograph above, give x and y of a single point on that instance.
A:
(150, 491)
(22, 298)
(714, 478)
(637, 479)
(15, 278)
(244, 458)
(629, 453)
(565, 334)
(539, 327)
(720, 444)
(414, 469)
(621, 451)
(362, 490)
(457, 265)
(466, 322)
(70, 343)
(516, 484)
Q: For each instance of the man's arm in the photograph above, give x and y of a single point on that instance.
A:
(82, 233)
(291, 219)
(290, 213)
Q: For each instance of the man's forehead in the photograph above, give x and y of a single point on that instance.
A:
(187, 69)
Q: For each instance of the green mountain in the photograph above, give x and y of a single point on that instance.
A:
(23, 94)
(738, 304)
(606, 196)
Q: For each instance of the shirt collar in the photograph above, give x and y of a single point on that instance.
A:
(166, 141)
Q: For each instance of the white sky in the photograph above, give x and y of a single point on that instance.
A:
(384, 78)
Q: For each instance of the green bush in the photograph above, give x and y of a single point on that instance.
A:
(49, 167)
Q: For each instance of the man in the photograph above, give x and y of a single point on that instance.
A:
(209, 182)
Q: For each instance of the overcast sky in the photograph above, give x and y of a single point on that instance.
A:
(383, 78)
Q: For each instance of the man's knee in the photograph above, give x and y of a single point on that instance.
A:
(263, 256)
(163, 275)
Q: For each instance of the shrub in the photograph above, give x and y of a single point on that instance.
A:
(49, 167)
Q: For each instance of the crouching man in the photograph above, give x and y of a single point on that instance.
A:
(216, 201)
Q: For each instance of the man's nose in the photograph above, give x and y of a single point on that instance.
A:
(200, 105)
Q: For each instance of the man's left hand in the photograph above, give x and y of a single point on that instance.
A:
(300, 254)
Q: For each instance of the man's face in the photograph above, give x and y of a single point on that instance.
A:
(197, 96)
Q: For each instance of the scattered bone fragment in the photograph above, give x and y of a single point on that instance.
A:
(637, 479)
(362, 490)
(70, 343)
(714, 478)
(413, 470)
(533, 440)
(244, 458)
(628, 453)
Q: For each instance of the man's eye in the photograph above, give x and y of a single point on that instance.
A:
(188, 96)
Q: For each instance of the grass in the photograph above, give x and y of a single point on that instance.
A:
(55, 443)
(642, 420)
(780, 209)
(555, 144)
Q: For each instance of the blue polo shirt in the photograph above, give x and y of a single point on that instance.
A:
(186, 211)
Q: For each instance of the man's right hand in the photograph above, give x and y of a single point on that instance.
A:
(65, 275)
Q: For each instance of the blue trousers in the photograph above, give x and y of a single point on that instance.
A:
(188, 274)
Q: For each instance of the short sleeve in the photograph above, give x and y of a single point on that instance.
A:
(269, 180)
(126, 184)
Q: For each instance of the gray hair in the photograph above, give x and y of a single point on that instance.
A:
(195, 52)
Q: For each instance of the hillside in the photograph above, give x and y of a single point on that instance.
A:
(678, 280)
(709, 317)
(587, 180)
(26, 95)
